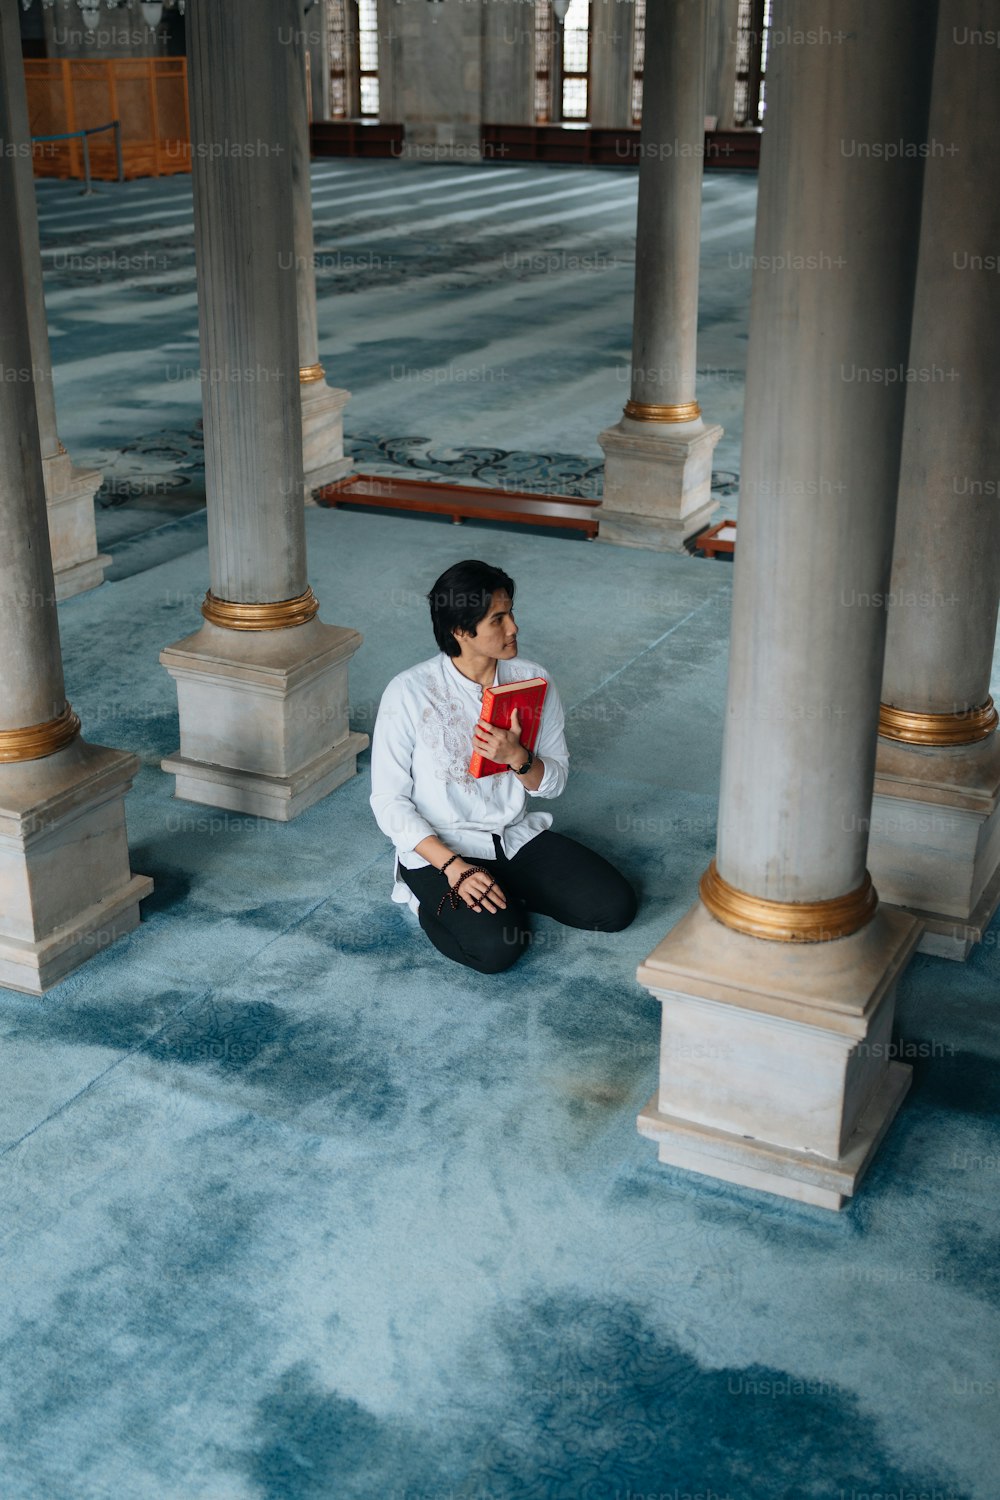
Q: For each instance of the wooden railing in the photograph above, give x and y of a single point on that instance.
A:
(148, 95)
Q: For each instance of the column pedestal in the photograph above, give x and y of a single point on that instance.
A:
(775, 1061)
(934, 846)
(69, 497)
(323, 458)
(657, 484)
(263, 717)
(66, 888)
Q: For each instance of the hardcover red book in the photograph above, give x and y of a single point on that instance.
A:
(499, 704)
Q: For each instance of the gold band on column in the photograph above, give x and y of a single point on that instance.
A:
(308, 373)
(39, 740)
(646, 411)
(281, 615)
(787, 921)
(937, 729)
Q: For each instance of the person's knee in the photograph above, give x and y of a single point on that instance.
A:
(496, 957)
(500, 945)
(618, 909)
(495, 962)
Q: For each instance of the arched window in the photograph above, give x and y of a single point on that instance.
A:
(368, 56)
(576, 61)
(337, 52)
(638, 59)
(562, 62)
(352, 39)
(751, 61)
(543, 61)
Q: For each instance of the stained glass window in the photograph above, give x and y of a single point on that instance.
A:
(336, 31)
(543, 62)
(368, 55)
(753, 26)
(576, 61)
(638, 59)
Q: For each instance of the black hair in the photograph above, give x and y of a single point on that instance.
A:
(461, 598)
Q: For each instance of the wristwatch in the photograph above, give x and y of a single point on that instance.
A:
(523, 770)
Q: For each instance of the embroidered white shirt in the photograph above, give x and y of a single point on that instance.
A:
(421, 745)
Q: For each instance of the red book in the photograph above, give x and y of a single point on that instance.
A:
(499, 704)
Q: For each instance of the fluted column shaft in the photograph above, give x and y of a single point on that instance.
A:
(668, 227)
(832, 297)
(31, 681)
(31, 254)
(945, 590)
(305, 266)
(242, 88)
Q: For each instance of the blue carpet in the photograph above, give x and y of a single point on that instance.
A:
(488, 306)
(293, 1208)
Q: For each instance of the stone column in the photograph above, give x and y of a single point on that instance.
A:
(317, 45)
(323, 405)
(437, 89)
(262, 686)
(66, 889)
(935, 831)
(778, 986)
(611, 34)
(658, 459)
(508, 71)
(69, 491)
(391, 62)
(721, 61)
(557, 40)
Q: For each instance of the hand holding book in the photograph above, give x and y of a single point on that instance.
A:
(509, 725)
(501, 746)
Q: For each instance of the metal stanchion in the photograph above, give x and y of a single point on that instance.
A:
(72, 135)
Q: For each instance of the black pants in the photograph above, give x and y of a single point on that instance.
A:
(549, 874)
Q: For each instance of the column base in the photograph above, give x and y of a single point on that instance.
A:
(774, 1169)
(657, 483)
(69, 495)
(66, 884)
(279, 797)
(934, 844)
(323, 458)
(776, 1066)
(263, 717)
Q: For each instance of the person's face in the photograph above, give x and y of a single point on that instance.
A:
(496, 633)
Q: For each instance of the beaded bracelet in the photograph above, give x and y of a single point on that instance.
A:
(451, 894)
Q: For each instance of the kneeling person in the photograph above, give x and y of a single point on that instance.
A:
(471, 860)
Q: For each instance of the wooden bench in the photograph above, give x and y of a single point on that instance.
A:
(718, 541)
(462, 502)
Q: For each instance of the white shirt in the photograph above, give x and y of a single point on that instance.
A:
(421, 746)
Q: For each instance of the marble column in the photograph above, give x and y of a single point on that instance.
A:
(658, 459)
(323, 405)
(611, 40)
(262, 686)
(722, 33)
(391, 62)
(508, 43)
(435, 62)
(66, 889)
(317, 43)
(69, 491)
(778, 985)
(935, 829)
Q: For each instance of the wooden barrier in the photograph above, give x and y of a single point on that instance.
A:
(586, 145)
(461, 502)
(147, 94)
